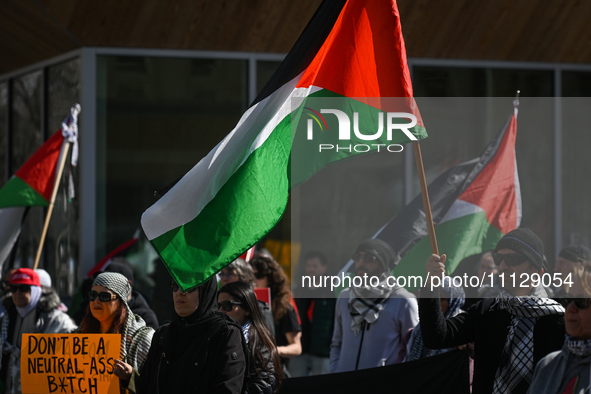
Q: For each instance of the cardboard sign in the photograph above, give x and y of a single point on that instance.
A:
(69, 363)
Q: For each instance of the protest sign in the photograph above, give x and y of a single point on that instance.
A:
(69, 363)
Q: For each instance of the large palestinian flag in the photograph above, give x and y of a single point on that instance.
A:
(473, 205)
(235, 195)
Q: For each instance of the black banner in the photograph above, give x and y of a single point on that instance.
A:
(445, 373)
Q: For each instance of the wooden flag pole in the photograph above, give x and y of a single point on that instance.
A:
(58, 178)
(425, 194)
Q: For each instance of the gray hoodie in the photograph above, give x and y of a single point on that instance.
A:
(380, 343)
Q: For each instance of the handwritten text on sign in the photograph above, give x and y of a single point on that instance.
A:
(69, 363)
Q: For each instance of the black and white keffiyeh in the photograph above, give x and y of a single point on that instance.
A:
(517, 360)
(579, 347)
(456, 298)
(137, 337)
(366, 302)
(246, 331)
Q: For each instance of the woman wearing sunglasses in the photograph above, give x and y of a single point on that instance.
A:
(568, 371)
(238, 301)
(200, 351)
(108, 313)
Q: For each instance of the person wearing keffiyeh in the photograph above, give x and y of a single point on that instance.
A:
(512, 331)
(569, 371)
(372, 320)
(113, 315)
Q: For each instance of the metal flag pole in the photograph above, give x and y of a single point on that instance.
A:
(70, 133)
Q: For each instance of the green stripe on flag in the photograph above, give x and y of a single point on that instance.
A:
(250, 205)
(457, 238)
(17, 193)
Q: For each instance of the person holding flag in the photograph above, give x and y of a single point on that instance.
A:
(512, 331)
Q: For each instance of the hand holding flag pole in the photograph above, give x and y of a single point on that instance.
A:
(70, 133)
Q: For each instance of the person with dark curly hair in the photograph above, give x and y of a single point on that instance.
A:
(288, 332)
(238, 301)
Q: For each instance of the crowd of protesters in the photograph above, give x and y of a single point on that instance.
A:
(225, 338)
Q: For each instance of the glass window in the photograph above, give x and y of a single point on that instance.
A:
(27, 137)
(576, 84)
(27, 133)
(157, 117)
(265, 70)
(61, 245)
(3, 131)
(576, 225)
(480, 82)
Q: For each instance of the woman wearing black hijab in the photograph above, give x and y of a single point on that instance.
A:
(200, 351)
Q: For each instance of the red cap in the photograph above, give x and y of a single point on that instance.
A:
(25, 276)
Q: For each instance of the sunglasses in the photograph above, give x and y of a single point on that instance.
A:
(511, 259)
(366, 257)
(103, 296)
(582, 303)
(228, 305)
(21, 288)
(174, 287)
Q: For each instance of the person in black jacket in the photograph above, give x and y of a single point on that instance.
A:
(201, 350)
(512, 331)
(238, 301)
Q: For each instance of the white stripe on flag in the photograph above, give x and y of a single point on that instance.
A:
(517, 196)
(460, 208)
(10, 228)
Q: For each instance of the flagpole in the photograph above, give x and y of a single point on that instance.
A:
(70, 133)
(425, 194)
(58, 178)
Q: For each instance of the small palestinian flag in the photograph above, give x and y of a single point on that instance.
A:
(33, 183)
(473, 205)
